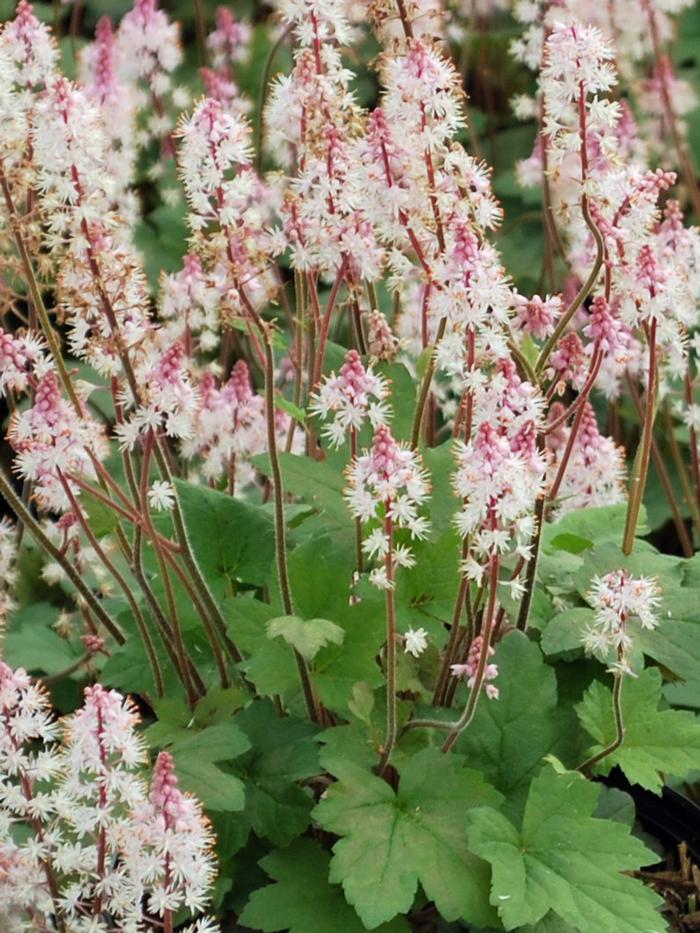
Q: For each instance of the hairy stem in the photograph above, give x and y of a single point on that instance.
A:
(640, 469)
(390, 736)
(28, 520)
(585, 767)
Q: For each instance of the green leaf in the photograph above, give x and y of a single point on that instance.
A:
(220, 742)
(313, 481)
(284, 751)
(604, 523)
(308, 637)
(361, 702)
(302, 900)
(403, 398)
(101, 518)
(233, 541)
(565, 860)
(655, 740)
(284, 404)
(564, 631)
(391, 840)
(574, 544)
(219, 704)
(33, 643)
(217, 789)
(320, 573)
(337, 668)
(269, 663)
(509, 737)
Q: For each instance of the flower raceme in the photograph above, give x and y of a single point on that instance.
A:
(352, 397)
(387, 486)
(468, 670)
(619, 601)
(385, 230)
(104, 850)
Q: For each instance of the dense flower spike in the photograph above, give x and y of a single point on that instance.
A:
(149, 50)
(469, 668)
(356, 394)
(52, 442)
(118, 103)
(388, 483)
(168, 847)
(619, 601)
(229, 42)
(496, 487)
(595, 473)
(101, 842)
(199, 308)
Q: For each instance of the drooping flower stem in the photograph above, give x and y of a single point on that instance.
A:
(325, 324)
(585, 767)
(217, 620)
(531, 572)
(455, 632)
(681, 530)
(182, 657)
(681, 469)
(580, 406)
(358, 521)
(456, 727)
(694, 452)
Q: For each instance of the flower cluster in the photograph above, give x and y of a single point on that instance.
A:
(102, 847)
(352, 397)
(53, 442)
(619, 600)
(389, 484)
(469, 669)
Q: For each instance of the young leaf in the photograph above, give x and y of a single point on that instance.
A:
(391, 840)
(565, 860)
(302, 900)
(308, 637)
(655, 740)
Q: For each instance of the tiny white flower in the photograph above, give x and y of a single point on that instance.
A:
(161, 496)
(415, 642)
